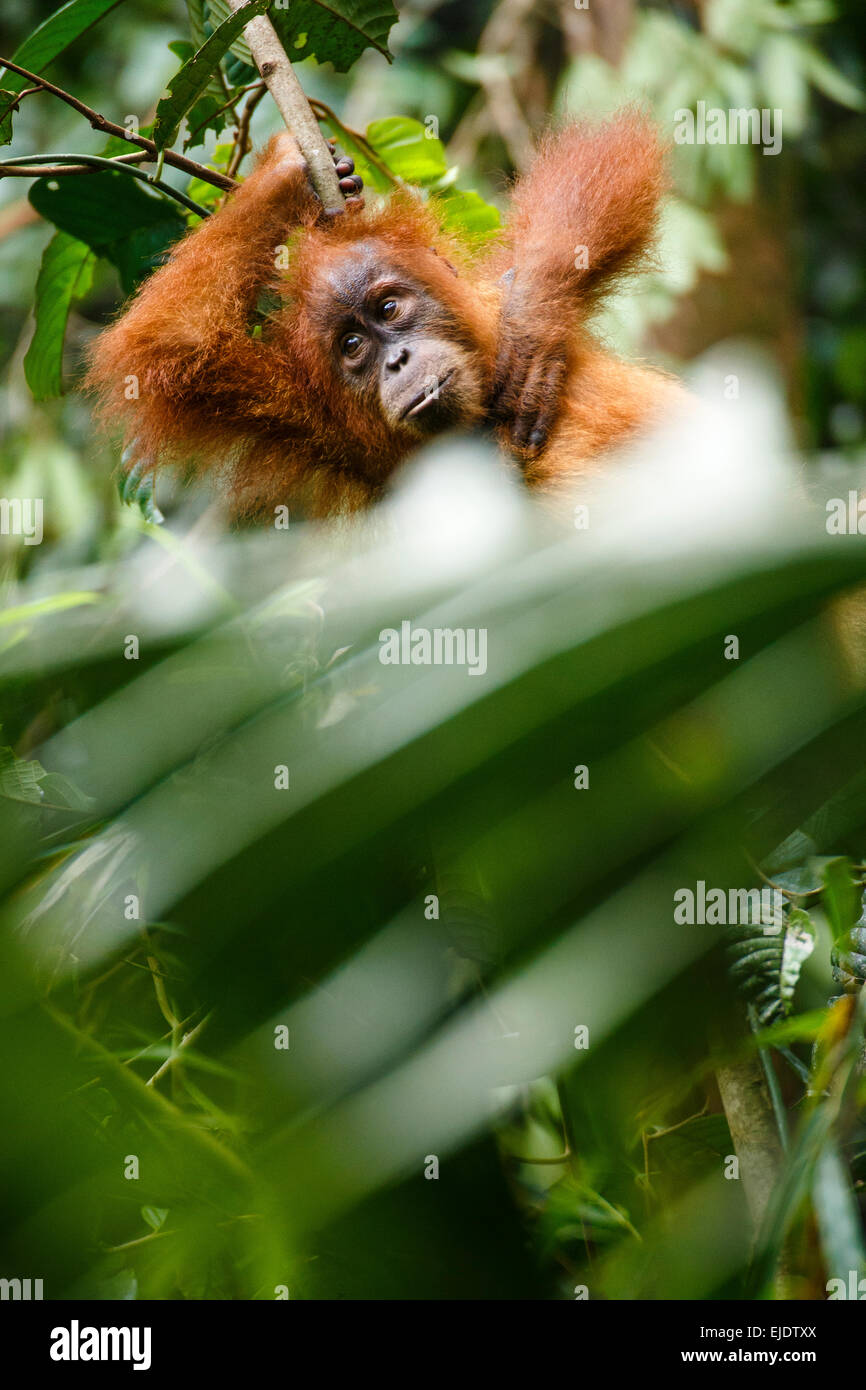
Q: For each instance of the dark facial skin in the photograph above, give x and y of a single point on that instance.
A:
(396, 345)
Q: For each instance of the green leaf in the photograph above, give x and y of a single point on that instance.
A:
(100, 209)
(51, 38)
(208, 113)
(154, 1216)
(59, 791)
(182, 49)
(66, 273)
(217, 12)
(115, 216)
(135, 487)
(829, 80)
(468, 215)
(237, 71)
(767, 968)
(335, 32)
(19, 780)
(7, 97)
(842, 899)
(798, 947)
(192, 79)
(139, 254)
(837, 1215)
(404, 145)
(195, 11)
(41, 607)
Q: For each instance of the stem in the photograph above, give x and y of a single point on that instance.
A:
(276, 69)
(242, 133)
(751, 1120)
(82, 163)
(232, 102)
(100, 123)
(25, 165)
(186, 1041)
(772, 1081)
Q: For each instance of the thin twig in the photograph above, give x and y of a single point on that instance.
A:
(131, 1244)
(40, 166)
(106, 127)
(525, 1158)
(162, 998)
(185, 1041)
(242, 134)
(232, 102)
(49, 171)
(33, 166)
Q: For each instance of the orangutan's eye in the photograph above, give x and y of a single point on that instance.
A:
(351, 344)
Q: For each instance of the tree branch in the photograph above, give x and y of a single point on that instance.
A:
(30, 167)
(106, 127)
(276, 69)
(41, 166)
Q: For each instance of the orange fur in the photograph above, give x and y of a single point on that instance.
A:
(273, 415)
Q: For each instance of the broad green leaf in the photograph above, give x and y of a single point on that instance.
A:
(192, 79)
(100, 208)
(66, 273)
(115, 216)
(216, 13)
(143, 251)
(335, 32)
(54, 35)
(206, 113)
(408, 150)
(374, 179)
